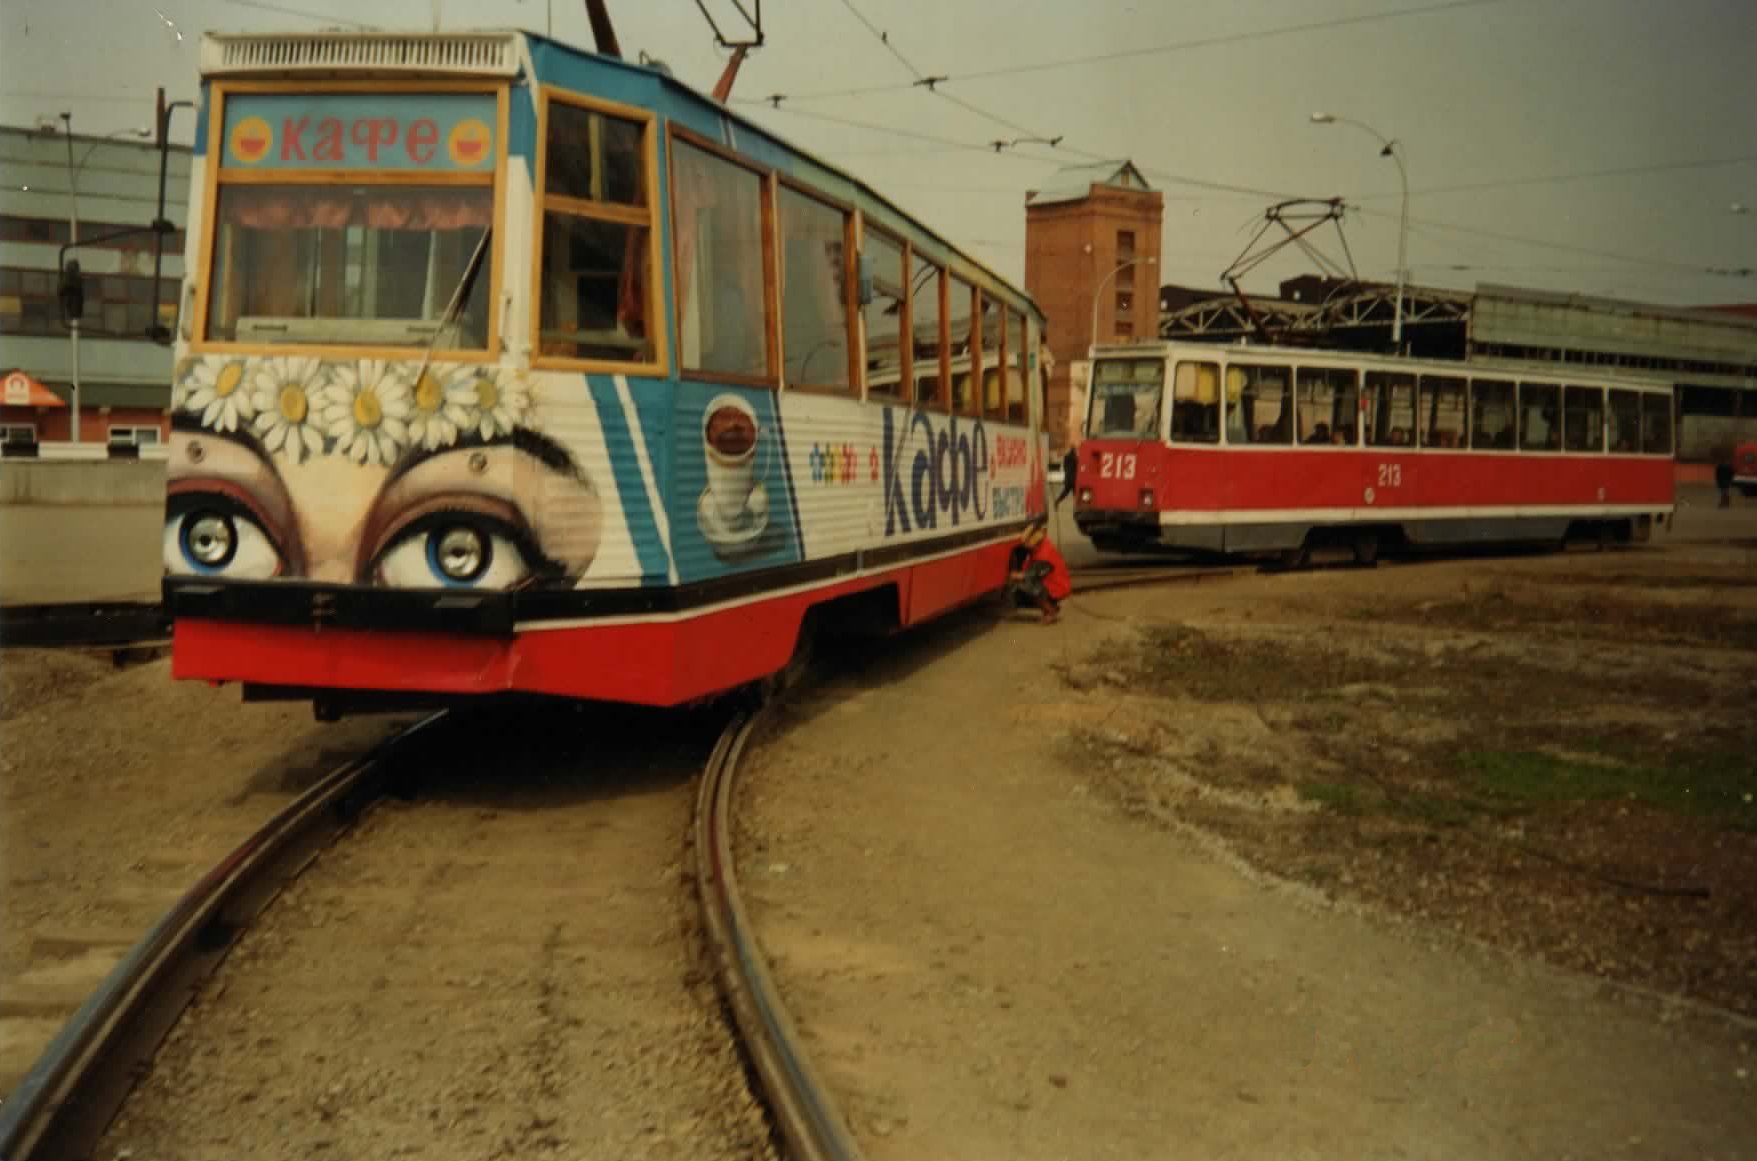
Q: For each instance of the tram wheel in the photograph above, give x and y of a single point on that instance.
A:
(1366, 548)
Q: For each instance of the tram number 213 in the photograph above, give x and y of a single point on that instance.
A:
(1115, 466)
(1390, 475)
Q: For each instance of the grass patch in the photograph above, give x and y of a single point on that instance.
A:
(1721, 786)
(1338, 796)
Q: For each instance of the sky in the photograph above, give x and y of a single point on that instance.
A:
(1590, 146)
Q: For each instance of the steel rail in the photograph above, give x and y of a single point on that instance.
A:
(804, 1111)
(87, 623)
(1100, 580)
(66, 1102)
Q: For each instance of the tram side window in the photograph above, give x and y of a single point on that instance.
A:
(994, 372)
(1539, 417)
(1259, 404)
(1583, 418)
(1442, 411)
(1329, 406)
(1390, 408)
(1656, 423)
(722, 324)
(1625, 416)
(596, 293)
(960, 318)
(814, 292)
(884, 318)
(1018, 380)
(1195, 403)
(925, 288)
(1491, 414)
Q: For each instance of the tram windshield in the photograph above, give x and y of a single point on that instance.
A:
(373, 265)
(1125, 399)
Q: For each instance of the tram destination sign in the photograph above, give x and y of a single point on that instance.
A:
(426, 132)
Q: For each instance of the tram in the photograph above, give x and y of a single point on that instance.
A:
(1247, 450)
(506, 366)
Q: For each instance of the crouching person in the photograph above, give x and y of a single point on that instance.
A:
(1040, 578)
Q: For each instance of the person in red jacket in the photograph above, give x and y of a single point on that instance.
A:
(1042, 576)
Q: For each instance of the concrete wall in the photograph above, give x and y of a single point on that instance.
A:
(108, 483)
(1711, 438)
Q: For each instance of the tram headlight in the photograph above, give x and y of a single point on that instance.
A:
(210, 540)
(460, 553)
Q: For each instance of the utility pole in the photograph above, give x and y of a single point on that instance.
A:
(72, 238)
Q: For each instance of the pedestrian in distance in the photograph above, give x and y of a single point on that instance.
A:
(1070, 465)
(1723, 479)
(1041, 578)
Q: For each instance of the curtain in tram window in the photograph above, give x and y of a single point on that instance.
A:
(307, 207)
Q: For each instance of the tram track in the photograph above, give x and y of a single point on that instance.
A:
(512, 951)
(1093, 580)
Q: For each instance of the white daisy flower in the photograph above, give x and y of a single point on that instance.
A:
(215, 389)
(287, 392)
(496, 401)
(366, 409)
(435, 414)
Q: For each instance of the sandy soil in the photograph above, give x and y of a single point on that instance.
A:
(998, 951)
(504, 966)
(117, 790)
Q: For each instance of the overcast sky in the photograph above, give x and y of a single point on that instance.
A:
(1510, 112)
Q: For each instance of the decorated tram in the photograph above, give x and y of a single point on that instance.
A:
(505, 366)
(1253, 450)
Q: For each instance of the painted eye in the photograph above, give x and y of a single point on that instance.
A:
(215, 536)
(454, 551)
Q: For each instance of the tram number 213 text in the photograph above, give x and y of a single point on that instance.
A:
(1113, 466)
(1390, 475)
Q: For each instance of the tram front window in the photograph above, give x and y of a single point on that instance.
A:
(1125, 399)
(370, 265)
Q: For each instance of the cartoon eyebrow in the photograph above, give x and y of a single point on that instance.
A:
(539, 447)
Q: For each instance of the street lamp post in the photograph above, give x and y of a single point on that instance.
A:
(1392, 148)
(1098, 295)
(73, 240)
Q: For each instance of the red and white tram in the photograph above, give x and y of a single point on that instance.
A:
(1264, 450)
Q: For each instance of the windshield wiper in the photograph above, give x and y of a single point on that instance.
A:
(455, 307)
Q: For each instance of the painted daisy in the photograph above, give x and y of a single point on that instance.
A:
(495, 402)
(287, 394)
(215, 389)
(366, 409)
(435, 416)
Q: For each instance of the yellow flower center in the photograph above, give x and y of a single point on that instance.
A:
(367, 410)
(228, 379)
(487, 394)
(429, 395)
(292, 403)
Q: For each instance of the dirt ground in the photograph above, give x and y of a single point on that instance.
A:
(118, 789)
(1347, 863)
(1554, 754)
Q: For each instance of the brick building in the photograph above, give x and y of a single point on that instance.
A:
(1091, 238)
(124, 378)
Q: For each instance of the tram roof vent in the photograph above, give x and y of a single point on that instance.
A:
(475, 53)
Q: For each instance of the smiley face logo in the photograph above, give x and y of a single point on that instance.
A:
(251, 139)
(469, 143)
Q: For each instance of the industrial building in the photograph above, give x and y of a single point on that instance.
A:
(105, 188)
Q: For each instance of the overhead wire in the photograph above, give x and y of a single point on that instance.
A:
(1146, 50)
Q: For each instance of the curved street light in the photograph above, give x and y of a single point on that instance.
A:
(1392, 148)
(1098, 294)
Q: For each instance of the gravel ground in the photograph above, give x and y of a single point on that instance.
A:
(117, 790)
(991, 954)
(505, 965)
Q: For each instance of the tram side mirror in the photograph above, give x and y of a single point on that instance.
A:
(72, 293)
(863, 279)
